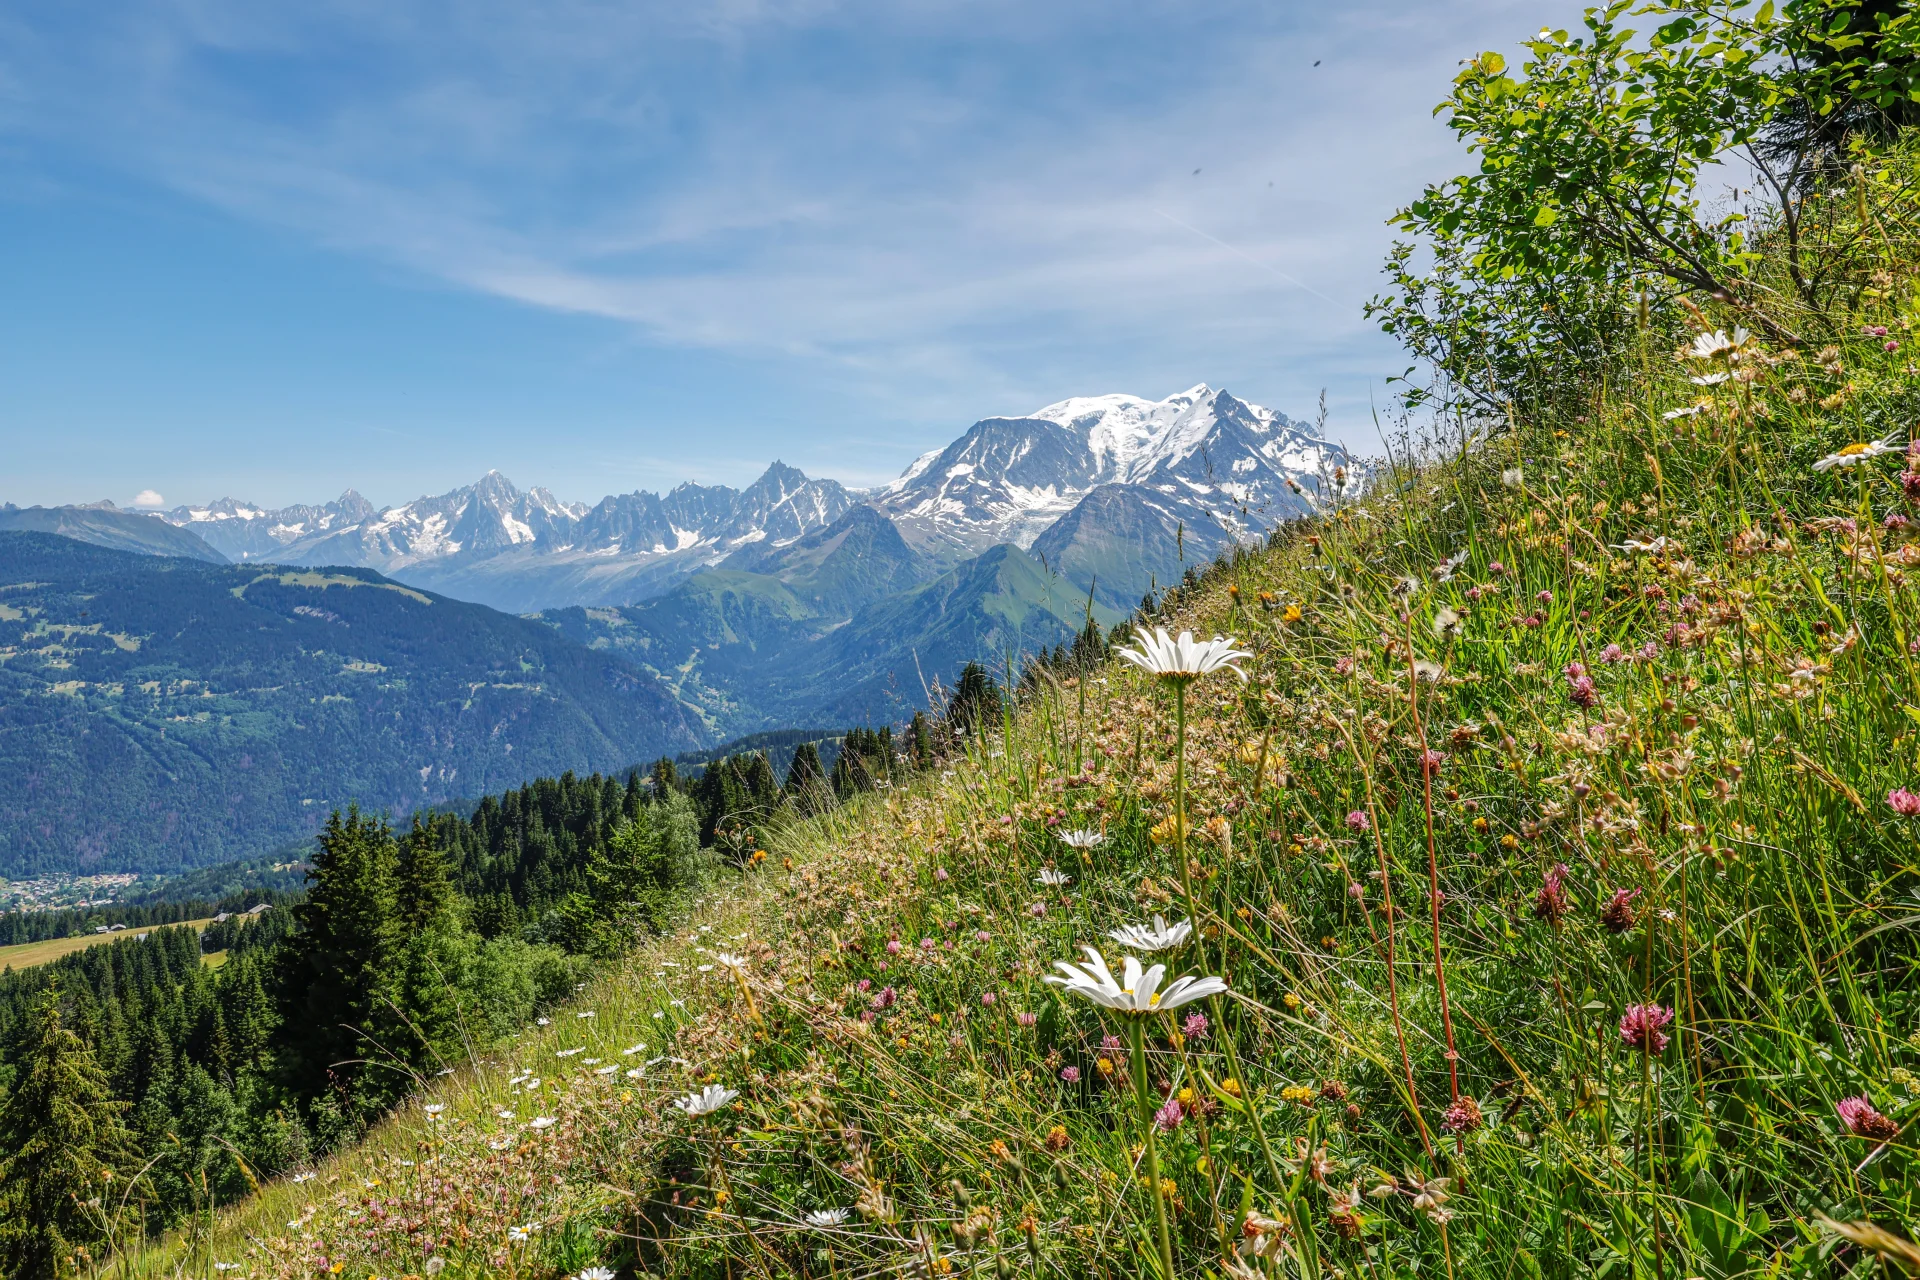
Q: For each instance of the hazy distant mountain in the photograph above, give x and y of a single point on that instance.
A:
(105, 525)
(519, 551)
(159, 713)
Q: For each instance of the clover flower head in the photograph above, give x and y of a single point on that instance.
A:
(1904, 802)
(1642, 1027)
(1863, 1121)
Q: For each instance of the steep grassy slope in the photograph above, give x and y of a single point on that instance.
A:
(1559, 856)
(162, 714)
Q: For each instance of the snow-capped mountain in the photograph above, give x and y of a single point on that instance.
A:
(1235, 466)
(524, 550)
(1114, 491)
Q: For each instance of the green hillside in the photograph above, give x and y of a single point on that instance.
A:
(161, 714)
(1530, 891)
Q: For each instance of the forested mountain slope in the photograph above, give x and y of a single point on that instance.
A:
(161, 713)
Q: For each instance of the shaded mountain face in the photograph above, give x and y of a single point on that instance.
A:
(494, 544)
(159, 713)
(105, 525)
(754, 650)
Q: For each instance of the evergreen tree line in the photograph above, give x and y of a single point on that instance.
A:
(41, 926)
(139, 1086)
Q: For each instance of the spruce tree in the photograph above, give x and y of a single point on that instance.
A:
(922, 741)
(423, 892)
(335, 975)
(806, 780)
(63, 1149)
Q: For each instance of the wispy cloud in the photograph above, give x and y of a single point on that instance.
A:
(954, 208)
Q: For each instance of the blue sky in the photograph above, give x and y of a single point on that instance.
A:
(272, 251)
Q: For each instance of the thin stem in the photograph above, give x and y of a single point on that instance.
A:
(1143, 1090)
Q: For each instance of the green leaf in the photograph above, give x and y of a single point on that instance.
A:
(1547, 216)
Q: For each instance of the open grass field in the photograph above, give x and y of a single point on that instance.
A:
(29, 954)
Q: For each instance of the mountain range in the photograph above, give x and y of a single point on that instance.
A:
(800, 599)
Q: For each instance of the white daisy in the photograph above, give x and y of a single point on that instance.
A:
(1183, 659)
(1158, 937)
(1055, 879)
(1855, 454)
(1082, 839)
(824, 1218)
(541, 1122)
(1137, 993)
(707, 1101)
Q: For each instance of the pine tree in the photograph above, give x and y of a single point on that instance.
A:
(424, 890)
(666, 778)
(62, 1146)
(922, 741)
(806, 781)
(976, 702)
(336, 975)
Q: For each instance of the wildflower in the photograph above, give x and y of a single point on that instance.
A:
(1430, 761)
(541, 1122)
(1651, 547)
(1551, 902)
(1904, 802)
(520, 1235)
(1513, 477)
(595, 1273)
(1183, 659)
(940, 873)
(982, 936)
(1430, 1199)
(886, 998)
(1346, 1222)
(435, 1108)
(1053, 879)
(1026, 1019)
(826, 1218)
(1641, 1027)
(1140, 993)
(1333, 1091)
(1863, 1121)
(1302, 1095)
(1446, 622)
(1618, 915)
(1082, 839)
(1057, 1138)
(1463, 1116)
(1854, 454)
(1709, 379)
(1072, 1074)
(1195, 1027)
(1358, 820)
(1687, 412)
(1168, 1117)
(1581, 692)
(708, 1100)
(730, 961)
(1718, 346)
(987, 997)
(1160, 937)
(1612, 653)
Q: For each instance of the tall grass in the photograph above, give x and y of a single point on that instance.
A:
(1666, 671)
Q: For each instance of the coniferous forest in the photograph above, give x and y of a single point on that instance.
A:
(409, 950)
